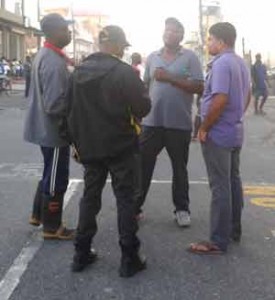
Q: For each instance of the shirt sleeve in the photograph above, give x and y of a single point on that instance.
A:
(146, 76)
(220, 82)
(54, 81)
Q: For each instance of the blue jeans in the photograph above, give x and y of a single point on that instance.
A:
(223, 166)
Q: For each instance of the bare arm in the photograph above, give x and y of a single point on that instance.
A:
(189, 86)
(216, 108)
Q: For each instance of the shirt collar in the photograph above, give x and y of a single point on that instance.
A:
(179, 52)
(216, 57)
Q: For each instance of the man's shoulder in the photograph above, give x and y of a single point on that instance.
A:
(49, 57)
(188, 52)
(153, 55)
(124, 67)
(224, 60)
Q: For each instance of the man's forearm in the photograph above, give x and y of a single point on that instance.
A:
(216, 108)
(189, 86)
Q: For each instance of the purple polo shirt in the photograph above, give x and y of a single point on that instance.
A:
(228, 74)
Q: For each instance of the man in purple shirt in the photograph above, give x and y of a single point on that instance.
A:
(225, 99)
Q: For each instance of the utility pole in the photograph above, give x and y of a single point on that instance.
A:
(201, 35)
(73, 32)
(243, 47)
(23, 13)
(38, 20)
(201, 21)
(38, 11)
(23, 8)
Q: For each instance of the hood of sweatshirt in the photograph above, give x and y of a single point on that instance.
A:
(95, 67)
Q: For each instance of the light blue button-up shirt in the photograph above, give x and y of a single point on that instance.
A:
(171, 106)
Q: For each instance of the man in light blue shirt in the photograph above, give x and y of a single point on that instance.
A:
(173, 74)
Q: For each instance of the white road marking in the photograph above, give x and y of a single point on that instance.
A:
(12, 277)
(203, 182)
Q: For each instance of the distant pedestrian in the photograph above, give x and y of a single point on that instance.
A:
(225, 99)
(259, 85)
(48, 106)
(137, 64)
(173, 75)
(102, 129)
(27, 74)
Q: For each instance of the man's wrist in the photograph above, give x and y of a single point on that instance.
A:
(203, 127)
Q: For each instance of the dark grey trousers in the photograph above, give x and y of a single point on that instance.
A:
(122, 170)
(176, 142)
(223, 168)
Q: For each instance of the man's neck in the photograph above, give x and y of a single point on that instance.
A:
(171, 50)
(225, 49)
(54, 43)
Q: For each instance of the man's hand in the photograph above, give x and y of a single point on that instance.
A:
(162, 75)
(202, 135)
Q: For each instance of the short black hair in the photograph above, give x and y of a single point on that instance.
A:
(258, 55)
(175, 22)
(224, 31)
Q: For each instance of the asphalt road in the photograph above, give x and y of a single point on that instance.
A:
(32, 269)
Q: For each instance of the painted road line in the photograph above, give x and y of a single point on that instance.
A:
(259, 190)
(12, 278)
(200, 182)
(264, 202)
(263, 196)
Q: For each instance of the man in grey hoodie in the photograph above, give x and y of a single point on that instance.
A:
(48, 104)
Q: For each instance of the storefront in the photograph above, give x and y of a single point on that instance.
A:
(12, 35)
(16, 44)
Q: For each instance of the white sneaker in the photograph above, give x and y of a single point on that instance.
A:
(183, 218)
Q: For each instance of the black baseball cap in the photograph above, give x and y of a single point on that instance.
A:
(113, 33)
(53, 21)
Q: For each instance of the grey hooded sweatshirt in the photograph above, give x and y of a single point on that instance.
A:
(48, 99)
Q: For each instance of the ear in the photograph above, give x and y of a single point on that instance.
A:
(221, 44)
(181, 37)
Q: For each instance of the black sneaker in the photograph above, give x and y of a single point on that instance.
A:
(80, 262)
(131, 265)
(236, 234)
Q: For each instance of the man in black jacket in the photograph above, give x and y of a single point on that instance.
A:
(107, 97)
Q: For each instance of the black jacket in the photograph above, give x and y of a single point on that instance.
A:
(105, 96)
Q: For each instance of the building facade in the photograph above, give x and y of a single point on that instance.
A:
(16, 30)
(85, 28)
(12, 30)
